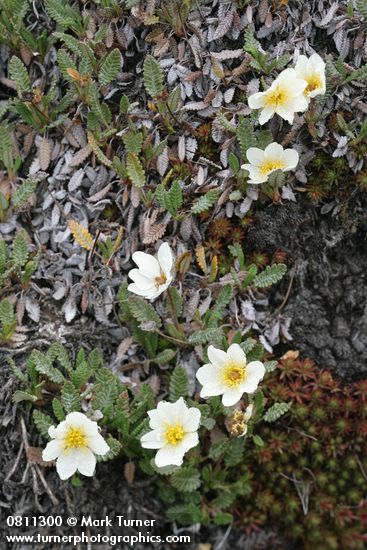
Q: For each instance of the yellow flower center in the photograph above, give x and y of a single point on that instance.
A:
(75, 439)
(313, 83)
(270, 166)
(174, 434)
(160, 280)
(277, 97)
(234, 375)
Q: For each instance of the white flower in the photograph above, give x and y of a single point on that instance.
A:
(75, 441)
(263, 163)
(229, 375)
(284, 97)
(154, 274)
(312, 70)
(174, 432)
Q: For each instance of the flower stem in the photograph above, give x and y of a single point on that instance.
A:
(174, 311)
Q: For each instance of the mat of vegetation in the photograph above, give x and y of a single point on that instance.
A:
(126, 128)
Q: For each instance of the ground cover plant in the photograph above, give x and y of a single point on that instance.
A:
(182, 194)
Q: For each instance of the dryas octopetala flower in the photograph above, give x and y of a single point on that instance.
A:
(174, 431)
(228, 374)
(272, 158)
(154, 274)
(75, 442)
(284, 97)
(312, 70)
(239, 421)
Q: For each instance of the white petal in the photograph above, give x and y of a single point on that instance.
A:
(192, 423)
(67, 463)
(266, 114)
(152, 440)
(189, 441)
(255, 156)
(86, 462)
(256, 101)
(274, 151)
(147, 264)
(255, 373)
(287, 114)
(317, 61)
(217, 356)
(298, 87)
(165, 258)
(291, 159)
(256, 176)
(149, 294)
(301, 67)
(286, 77)
(236, 354)
(155, 421)
(97, 444)
(209, 374)
(53, 450)
(168, 456)
(231, 397)
(143, 282)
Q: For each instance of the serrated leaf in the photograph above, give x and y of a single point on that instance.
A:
(135, 170)
(206, 335)
(276, 411)
(271, 275)
(42, 364)
(18, 73)
(115, 448)
(245, 135)
(81, 235)
(153, 76)
(179, 384)
(43, 422)
(20, 249)
(186, 479)
(70, 398)
(144, 312)
(164, 357)
(23, 192)
(110, 67)
(205, 202)
(133, 142)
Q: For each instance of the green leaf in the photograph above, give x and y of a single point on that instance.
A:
(223, 519)
(206, 335)
(42, 364)
(218, 448)
(270, 366)
(18, 73)
(276, 179)
(186, 479)
(205, 202)
(105, 392)
(153, 76)
(43, 422)
(7, 315)
(234, 452)
(179, 384)
(164, 357)
(124, 105)
(258, 441)
(272, 274)
(177, 301)
(133, 142)
(20, 248)
(110, 67)
(145, 313)
(135, 170)
(176, 196)
(245, 135)
(58, 409)
(276, 411)
(20, 396)
(70, 398)
(23, 192)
